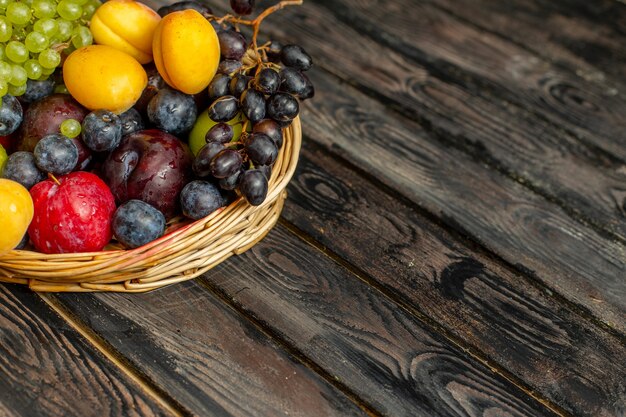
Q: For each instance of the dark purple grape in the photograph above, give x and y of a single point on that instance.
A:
(184, 5)
(261, 149)
(221, 133)
(56, 154)
(220, 86)
(232, 44)
(253, 105)
(224, 109)
(282, 107)
(253, 186)
(11, 115)
(273, 51)
(270, 128)
(242, 7)
(202, 161)
(296, 57)
(229, 66)
(131, 121)
(226, 163)
(267, 81)
(172, 111)
(266, 170)
(292, 81)
(136, 223)
(239, 84)
(102, 131)
(36, 90)
(200, 198)
(21, 167)
(308, 91)
(230, 183)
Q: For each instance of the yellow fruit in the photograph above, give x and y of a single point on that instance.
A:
(16, 213)
(186, 51)
(101, 77)
(126, 25)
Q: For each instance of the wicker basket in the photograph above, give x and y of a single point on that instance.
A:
(187, 250)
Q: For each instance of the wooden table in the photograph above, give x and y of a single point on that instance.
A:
(453, 243)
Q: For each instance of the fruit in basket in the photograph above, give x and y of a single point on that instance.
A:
(197, 136)
(71, 215)
(186, 51)
(126, 25)
(56, 154)
(3, 158)
(136, 223)
(11, 115)
(102, 131)
(45, 116)
(172, 111)
(151, 166)
(184, 5)
(200, 198)
(21, 167)
(16, 213)
(101, 77)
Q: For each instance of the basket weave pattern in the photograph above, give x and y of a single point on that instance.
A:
(188, 249)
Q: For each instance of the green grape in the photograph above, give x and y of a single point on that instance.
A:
(16, 52)
(69, 10)
(81, 36)
(47, 71)
(3, 56)
(89, 10)
(70, 128)
(5, 71)
(6, 29)
(17, 90)
(33, 69)
(18, 13)
(36, 42)
(80, 2)
(47, 27)
(61, 89)
(64, 30)
(19, 33)
(44, 8)
(49, 58)
(18, 76)
(4, 88)
(5, 3)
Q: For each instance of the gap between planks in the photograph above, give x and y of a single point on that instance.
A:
(429, 323)
(169, 404)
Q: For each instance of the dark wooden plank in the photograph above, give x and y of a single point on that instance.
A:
(489, 66)
(521, 227)
(204, 355)
(472, 297)
(48, 369)
(361, 337)
(464, 104)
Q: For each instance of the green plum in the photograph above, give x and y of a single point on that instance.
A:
(204, 123)
(3, 158)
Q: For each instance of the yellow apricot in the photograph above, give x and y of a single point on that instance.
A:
(186, 51)
(126, 25)
(101, 77)
(16, 213)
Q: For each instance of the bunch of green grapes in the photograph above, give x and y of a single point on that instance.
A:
(34, 34)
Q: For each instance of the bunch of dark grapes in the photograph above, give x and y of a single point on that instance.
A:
(265, 84)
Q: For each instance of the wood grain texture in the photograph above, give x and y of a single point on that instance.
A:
(521, 227)
(206, 356)
(473, 298)
(360, 337)
(48, 369)
(542, 103)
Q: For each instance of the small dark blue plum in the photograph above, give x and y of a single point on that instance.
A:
(131, 121)
(282, 107)
(11, 115)
(136, 223)
(261, 149)
(102, 131)
(296, 57)
(36, 90)
(253, 105)
(202, 161)
(200, 198)
(56, 154)
(224, 109)
(21, 167)
(253, 186)
(172, 111)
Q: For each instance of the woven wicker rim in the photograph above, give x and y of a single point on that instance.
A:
(187, 250)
